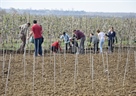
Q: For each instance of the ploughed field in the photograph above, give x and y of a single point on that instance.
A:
(68, 74)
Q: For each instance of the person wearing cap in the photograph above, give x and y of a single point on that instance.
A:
(36, 31)
(66, 39)
(95, 41)
(23, 33)
(101, 36)
(80, 36)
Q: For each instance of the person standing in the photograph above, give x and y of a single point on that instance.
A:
(23, 33)
(36, 31)
(95, 41)
(80, 35)
(66, 39)
(101, 36)
(111, 39)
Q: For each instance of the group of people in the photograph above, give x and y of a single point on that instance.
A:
(35, 32)
(100, 39)
(97, 41)
(70, 42)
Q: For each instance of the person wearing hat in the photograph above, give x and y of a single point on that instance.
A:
(66, 39)
(23, 33)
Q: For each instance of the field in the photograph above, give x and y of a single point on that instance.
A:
(68, 74)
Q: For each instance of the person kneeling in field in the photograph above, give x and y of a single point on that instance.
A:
(74, 45)
(55, 47)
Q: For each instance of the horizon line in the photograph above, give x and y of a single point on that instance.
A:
(63, 10)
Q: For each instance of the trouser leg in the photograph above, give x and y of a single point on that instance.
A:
(36, 46)
(101, 45)
(109, 45)
(69, 45)
(82, 45)
(97, 46)
(66, 46)
(112, 46)
(22, 46)
(24, 43)
(94, 49)
(40, 46)
(54, 49)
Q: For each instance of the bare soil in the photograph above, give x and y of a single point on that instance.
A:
(68, 75)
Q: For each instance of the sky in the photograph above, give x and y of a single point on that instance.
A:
(77, 5)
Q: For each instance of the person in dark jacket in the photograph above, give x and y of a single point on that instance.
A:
(80, 36)
(111, 39)
(74, 45)
(95, 41)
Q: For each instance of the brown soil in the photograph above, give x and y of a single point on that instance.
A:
(68, 82)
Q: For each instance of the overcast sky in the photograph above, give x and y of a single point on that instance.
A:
(84, 5)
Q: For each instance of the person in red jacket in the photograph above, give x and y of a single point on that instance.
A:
(55, 46)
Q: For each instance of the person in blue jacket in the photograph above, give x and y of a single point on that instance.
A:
(66, 39)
